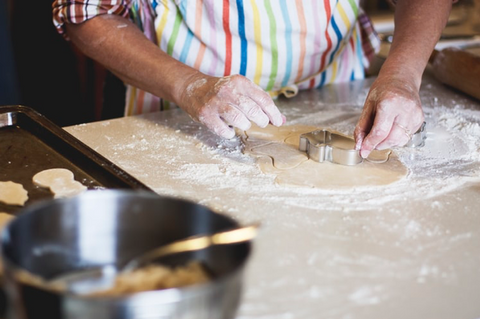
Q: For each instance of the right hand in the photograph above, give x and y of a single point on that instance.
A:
(224, 103)
(391, 114)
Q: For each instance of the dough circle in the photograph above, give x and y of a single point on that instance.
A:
(12, 193)
(52, 176)
(276, 149)
(60, 181)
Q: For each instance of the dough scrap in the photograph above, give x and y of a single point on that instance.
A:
(276, 134)
(60, 181)
(278, 154)
(12, 193)
(282, 157)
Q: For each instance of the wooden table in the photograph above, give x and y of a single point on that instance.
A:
(408, 250)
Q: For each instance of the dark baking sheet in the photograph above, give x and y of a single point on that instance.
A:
(30, 143)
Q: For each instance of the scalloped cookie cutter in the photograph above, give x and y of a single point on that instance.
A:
(323, 145)
(418, 139)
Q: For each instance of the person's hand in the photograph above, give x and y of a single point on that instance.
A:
(391, 115)
(224, 103)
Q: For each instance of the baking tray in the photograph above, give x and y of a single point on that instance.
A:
(30, 143)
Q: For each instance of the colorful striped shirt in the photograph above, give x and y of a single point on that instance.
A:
(281, 45)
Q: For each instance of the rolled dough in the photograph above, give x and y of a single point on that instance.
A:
(276, 149)
(12, 193)
(60, 181)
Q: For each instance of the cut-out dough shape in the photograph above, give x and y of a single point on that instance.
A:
(282, 157)
(309, 173)
(13, 193)
(60, 181)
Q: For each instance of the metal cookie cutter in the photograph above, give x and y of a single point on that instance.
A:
(418, 139)
(323, 145)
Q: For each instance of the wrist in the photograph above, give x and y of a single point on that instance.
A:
(190, 82)
(395, 71)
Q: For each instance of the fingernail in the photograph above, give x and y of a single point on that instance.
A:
(230, 135)
(264, 123)
(248, 126)
(364, 153)
(226, 133)
(279, 120)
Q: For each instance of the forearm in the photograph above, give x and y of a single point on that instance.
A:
(219, 103)
(418, 26)
(121, 47)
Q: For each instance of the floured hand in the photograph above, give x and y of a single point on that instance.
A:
(391, 115)
(224, 103)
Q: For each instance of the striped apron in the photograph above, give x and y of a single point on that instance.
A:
(281, 45)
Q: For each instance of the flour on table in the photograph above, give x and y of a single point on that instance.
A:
(12, 193)
(276, 149)
(60, 181)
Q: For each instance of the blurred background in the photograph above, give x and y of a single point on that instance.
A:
(39, 69)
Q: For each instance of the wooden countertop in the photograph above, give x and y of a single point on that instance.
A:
(407, 250)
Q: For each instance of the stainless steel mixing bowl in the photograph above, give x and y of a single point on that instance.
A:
(105, 227)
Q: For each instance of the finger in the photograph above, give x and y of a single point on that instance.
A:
(256, 104)
(399, 136)
(380, 130)
(266, 103)
(218, 126)
(361, 130)
(263, 100)
(363, 126)
(358, 136)
(234, 117)
(252, 111)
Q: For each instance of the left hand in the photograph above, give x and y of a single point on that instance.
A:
(227, 102)
(391, 115)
